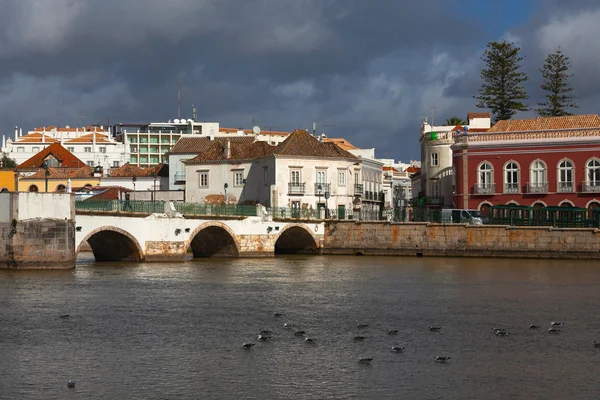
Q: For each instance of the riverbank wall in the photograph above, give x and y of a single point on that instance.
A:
(458, 240)
(37, 231)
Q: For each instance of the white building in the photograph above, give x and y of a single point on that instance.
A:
(149, 144)
(92, 145)
(301, 174)
(437, 176)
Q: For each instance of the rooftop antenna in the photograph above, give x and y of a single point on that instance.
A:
(314, 128)
(178, 99)
(433, 108)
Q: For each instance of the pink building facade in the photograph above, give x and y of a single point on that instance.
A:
(535, 162)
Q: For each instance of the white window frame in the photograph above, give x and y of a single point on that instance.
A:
(321, 176)
(203, 179)
(116, 164)
(485, 176)
(511, 177)
(238, 178)
(102, 149)
(87, 149)
(592, 172)
(538, 173)
(71, 149)
(565, 176)
(295, 177)
(35, 149)
(435, 159)
(90, 163)
(341, 178)
(20, 149)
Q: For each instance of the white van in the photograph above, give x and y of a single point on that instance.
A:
(453, 216)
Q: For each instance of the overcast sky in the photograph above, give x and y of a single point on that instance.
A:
(366, 70)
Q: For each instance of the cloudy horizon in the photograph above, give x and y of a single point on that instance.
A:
(367, 71)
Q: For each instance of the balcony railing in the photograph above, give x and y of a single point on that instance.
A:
(565, 187)
(511, 188)
(427, 201)
(537, 187)
(179, 176)
(358, 189)
(321, 188)
(296, 188)
(484, 189)
(591, 187)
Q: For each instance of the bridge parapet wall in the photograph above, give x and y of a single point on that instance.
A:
(426, 239)
(37, 230)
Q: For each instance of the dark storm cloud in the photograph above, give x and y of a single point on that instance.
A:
(370, 69)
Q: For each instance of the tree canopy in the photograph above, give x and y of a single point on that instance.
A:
(555, 74)
(7, 162)
(502, 90)
(455, 121)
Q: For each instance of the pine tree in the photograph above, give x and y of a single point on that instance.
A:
(7, 162)
(502, 90)
(453, 121)
(559, 98)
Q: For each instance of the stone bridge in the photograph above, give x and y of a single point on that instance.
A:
(173, 237)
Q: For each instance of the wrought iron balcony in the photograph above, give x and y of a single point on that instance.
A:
(591, 187)
(510, 188)
(358, 189)
(565, 187)
(427, 201)
(179, 176)
(484, 189)
(296, 188)
(321, 188)
(537, 187)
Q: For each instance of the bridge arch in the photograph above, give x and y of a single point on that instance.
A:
(213, 239)
(110, 243)
(296, 239)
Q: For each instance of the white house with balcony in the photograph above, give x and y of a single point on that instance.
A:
(301, 173)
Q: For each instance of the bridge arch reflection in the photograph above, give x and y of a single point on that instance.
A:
(213, 239)
(109, 243)
(296, 239)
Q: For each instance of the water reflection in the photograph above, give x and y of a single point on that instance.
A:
(175, 330)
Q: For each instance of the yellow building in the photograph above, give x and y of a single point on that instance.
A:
(58, 179)
(7, 180)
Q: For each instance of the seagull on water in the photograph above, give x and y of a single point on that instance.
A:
(247, 345)
(435, 328)
(65, 316)
(263, 337)
(310, 340)
(364, 360)
(442, 359)
(534, 326)
(299, 333)
(288, 325)
(502, 333)
(499, 329)
(277, 314)
(70, 384)
(362, 325)
(556, 323)
(359, 338)
(397, 349)
(392, 331)
(553, 330)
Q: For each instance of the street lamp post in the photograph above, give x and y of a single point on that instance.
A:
(225, 186)
(154, 189)
(319, 188)
(133, 179)
(46, 174)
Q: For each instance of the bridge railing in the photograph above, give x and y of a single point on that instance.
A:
(120, 206)
(230, 210)
(304, 213)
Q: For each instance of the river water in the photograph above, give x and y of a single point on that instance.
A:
(175, 331)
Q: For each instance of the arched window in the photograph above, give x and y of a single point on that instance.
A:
(33, 188)
(485, 179)
(592, 183)
(565, 176)
(511, 178)
(537, 178)
(61, 188)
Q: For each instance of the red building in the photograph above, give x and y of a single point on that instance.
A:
(536, 162)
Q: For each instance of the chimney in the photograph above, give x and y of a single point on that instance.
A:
(16, 133)
(20, 132)
(227, 149)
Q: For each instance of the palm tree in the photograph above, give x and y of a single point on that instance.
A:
(453, 121)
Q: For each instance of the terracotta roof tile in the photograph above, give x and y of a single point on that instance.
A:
(472, 115)
(108, 193)
(64, 156)
(195, 145)
(343, 143)
(62, 173)
(412, 170)
(129, 171)
(250, 132)
(89, 138)
(547, 123)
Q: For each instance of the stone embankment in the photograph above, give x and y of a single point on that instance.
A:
(424, 239)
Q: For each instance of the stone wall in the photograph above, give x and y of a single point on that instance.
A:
(38, 243)
(423, 239)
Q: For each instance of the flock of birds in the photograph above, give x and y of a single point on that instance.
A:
(265, 335)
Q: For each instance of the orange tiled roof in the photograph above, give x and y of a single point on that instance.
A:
(89, 138)
(196, 145)
(390, 169)
(129, 171)
(58, 129)
(35, 138)
(412, 170)
(547, 123)
(63, 173)
(299, 144)
(343, 143)
(472, 115)
(64, 156)
(108, 192)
